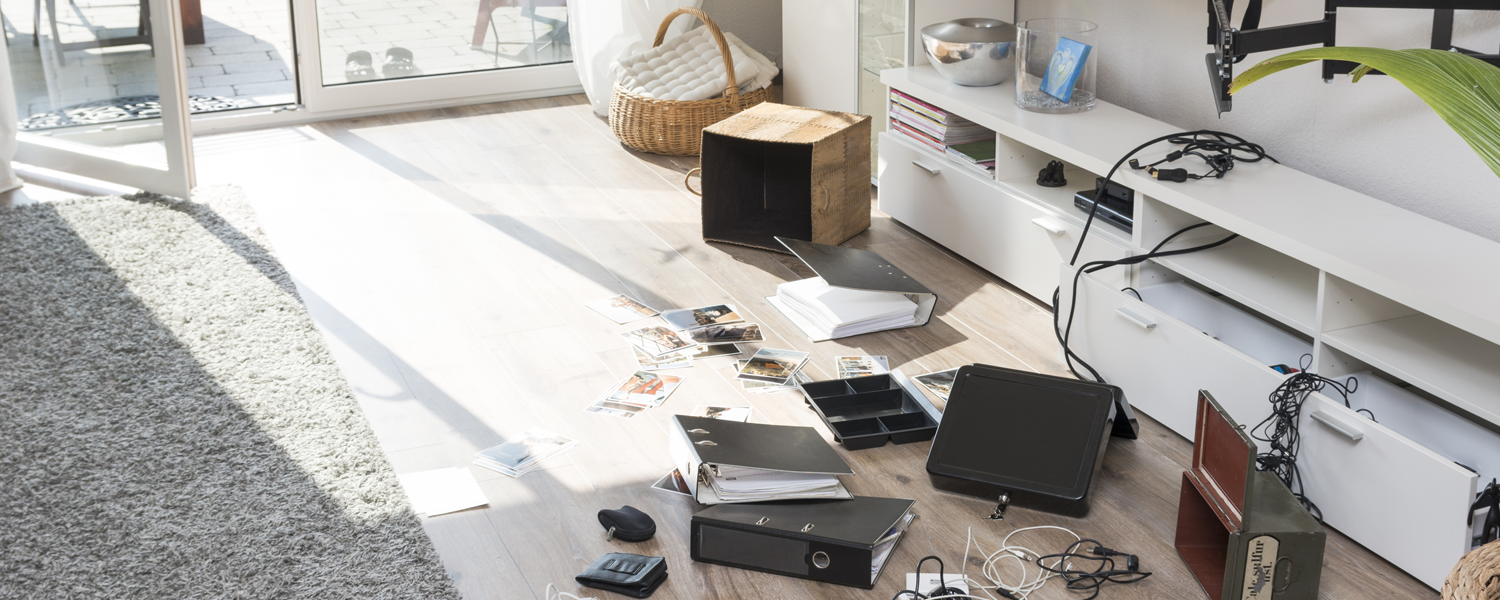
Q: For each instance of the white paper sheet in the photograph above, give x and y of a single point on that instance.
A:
(442, 491)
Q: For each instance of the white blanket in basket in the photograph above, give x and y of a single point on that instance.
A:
(689, 67)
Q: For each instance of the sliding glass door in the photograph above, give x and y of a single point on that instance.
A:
(99, 88)
(360, 54)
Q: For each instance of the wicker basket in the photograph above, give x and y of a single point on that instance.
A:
(674, 127)
(1476, 576)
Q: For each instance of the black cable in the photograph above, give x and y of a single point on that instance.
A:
(1104, 572)
(1065, 333)
(1224, 145)
(1133, 291)
(1281, 429)
(1489, 499)
(943, 589)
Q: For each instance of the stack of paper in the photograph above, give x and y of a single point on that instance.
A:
(841, 312)
(743, 484)
(522, 456)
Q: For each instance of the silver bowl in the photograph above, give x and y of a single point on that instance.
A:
(973, 52)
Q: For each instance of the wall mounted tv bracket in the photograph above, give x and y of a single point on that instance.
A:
(1231, 44)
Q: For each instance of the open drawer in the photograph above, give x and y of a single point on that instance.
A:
(1399, 498)
(1161, 360)
(963, 210)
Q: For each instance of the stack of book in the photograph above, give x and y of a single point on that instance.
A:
(944, 132)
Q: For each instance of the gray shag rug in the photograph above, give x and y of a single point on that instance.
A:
(172, 424)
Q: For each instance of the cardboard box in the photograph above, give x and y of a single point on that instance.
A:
(778, 170)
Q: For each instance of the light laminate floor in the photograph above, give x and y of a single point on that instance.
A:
(447, 255)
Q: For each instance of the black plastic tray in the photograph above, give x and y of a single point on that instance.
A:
(865, 412)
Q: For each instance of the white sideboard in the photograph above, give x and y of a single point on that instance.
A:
(1365, 288)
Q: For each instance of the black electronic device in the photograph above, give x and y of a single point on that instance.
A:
(1231, 43)
(1116, 204)
(845, 543)
(1026, 439)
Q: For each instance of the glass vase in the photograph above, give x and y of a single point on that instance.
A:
(1056, 60)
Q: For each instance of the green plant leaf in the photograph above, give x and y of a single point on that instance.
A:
(1462, 90)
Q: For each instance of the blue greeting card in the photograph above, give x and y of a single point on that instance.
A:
(1062, 72)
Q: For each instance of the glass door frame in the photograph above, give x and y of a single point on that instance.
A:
(325, 101)
(176, 178)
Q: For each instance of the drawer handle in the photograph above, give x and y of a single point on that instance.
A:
(930, 170)
(1051, 227)
(1131, 315)
(1337, 426)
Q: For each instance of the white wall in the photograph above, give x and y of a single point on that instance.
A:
(757, 22)
(1373, 136)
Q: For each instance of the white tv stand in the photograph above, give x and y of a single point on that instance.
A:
(1362, 286)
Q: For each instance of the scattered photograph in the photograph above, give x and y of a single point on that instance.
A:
(766, 387)
(644, 389)
(518, 457)
(860, 366)
(770, 364)
(690, 318)
(605, 406)
(940, 382)
(725, 334)
(727, 413)
(622, 308)
(674, 483)
(716, 350)
(664, 362)
(656, 340)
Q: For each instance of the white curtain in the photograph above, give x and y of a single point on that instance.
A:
(605, 30)
(8, 179)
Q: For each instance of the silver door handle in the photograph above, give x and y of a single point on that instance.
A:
(930, 170)
(1337, 426)
(1051, 227)
(1131, 316)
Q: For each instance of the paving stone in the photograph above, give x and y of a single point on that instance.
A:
(241, 78)
(225, 91)
(265, 89)
(205, 70)
(256, 66)
(219, 59)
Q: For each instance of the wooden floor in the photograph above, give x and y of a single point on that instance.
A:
(447, 255)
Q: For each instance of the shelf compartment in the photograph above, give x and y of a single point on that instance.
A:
(1455, 366)
(1257, 277)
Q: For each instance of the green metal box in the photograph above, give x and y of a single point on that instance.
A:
(1241, 532)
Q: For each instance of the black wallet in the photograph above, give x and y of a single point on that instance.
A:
(629, 574)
